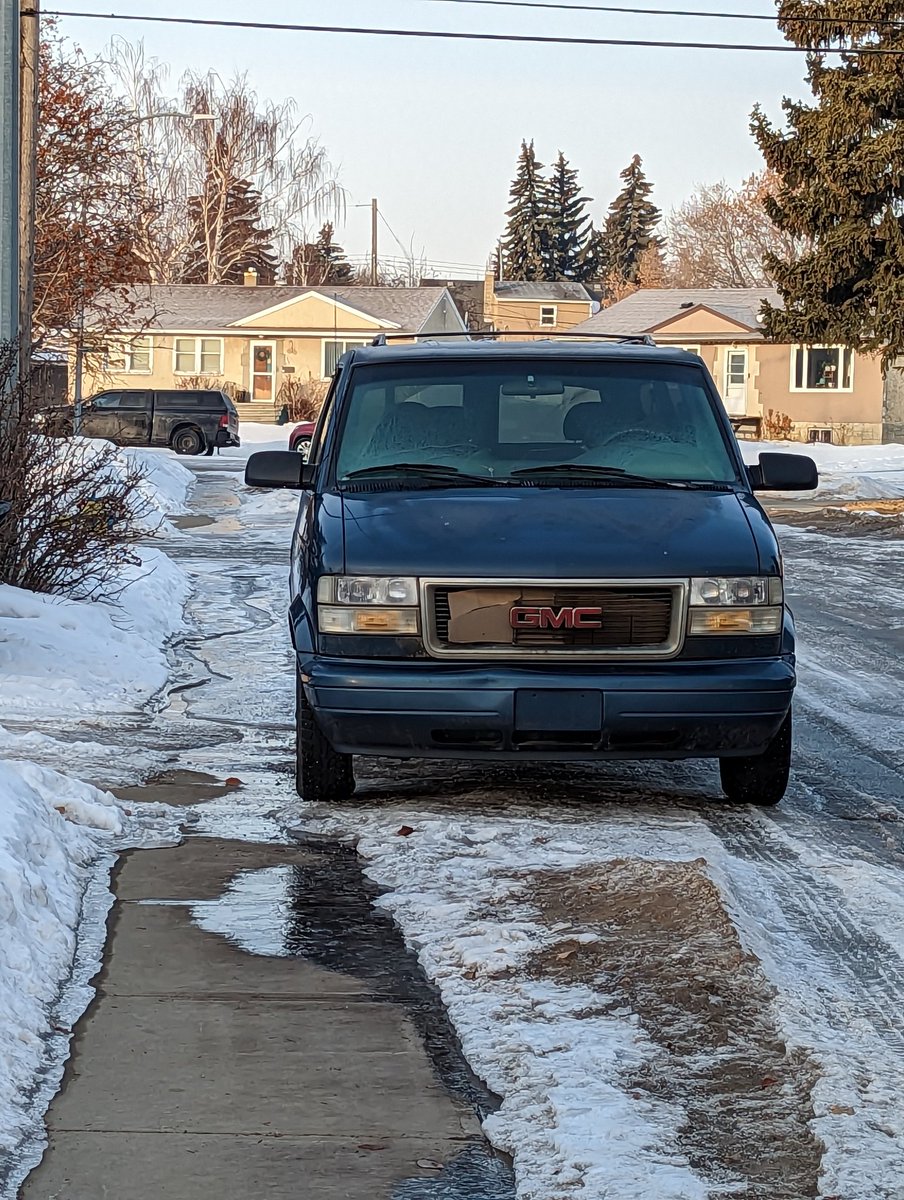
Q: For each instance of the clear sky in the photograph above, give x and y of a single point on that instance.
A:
(432, 129)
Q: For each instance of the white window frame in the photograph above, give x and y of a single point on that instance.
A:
(814, 391)
(350, 343)
(128, 352)
(819, 430)
(554, 310)
(196, 369)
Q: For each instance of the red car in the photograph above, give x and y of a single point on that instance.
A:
(300, 437)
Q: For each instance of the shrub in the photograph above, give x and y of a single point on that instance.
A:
(74, 507)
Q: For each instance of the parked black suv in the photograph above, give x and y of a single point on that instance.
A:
(189, 422)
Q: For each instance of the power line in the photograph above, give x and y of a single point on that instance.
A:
(560, 6)
(467, 36)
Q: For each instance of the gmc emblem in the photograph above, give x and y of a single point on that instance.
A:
(530, 616)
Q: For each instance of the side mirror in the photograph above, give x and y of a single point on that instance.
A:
(784, 473)
(278, 469)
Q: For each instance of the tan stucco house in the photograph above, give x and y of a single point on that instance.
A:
(548, 308)
(256, 339)
(829, 392)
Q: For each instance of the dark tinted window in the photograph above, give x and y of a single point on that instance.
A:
(117, 400)
(200, 400)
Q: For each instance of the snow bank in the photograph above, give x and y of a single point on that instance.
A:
(165, 483)
(845, 472)
(75, 658)
(53, 833)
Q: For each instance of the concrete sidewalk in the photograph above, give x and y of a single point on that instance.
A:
(204, 1072)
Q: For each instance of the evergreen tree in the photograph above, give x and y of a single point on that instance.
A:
(227, 236)
(630, 223)
(525, 244)
(569, 223)
(841, 191)
(318, 263)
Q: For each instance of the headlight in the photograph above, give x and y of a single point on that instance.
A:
(739, 604)
(396, 591)
(367, 604)
(741, 591)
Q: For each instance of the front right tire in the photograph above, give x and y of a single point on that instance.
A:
(760, 779)
(321, 773)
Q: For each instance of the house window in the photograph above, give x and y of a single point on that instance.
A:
(134, 357)
(333, 351)
(548, 315)
(198, 356)
(819, 435)
(822, 369)
(689, 349)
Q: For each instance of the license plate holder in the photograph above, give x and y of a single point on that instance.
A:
(548, 710)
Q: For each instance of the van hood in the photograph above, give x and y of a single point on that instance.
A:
(556, 533)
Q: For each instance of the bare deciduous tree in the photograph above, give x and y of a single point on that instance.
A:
(190, 168)
(720, 236)
(87, 204)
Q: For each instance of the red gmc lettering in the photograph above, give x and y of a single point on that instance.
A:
(528, 616)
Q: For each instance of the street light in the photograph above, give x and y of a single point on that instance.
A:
(80, 326)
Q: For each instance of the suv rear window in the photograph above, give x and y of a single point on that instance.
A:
(648, 418)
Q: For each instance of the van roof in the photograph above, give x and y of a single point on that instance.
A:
(462, 350)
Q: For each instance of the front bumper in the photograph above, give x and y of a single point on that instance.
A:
(423, 710)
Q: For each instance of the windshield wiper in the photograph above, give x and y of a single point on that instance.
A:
(439, 472)
(591, 470)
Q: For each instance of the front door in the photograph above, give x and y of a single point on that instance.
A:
(736, 383)
(263, 371)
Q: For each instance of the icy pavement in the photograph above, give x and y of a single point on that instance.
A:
(670, 997)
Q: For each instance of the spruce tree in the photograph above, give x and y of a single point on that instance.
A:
(841, 192)
(227, 237)
(569, 223)
(630, 223)
(525, 244)
(319, 263)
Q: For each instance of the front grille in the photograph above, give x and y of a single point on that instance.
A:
(636, 618)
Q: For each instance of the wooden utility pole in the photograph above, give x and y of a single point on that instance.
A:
(9, 169)
(28, 154)
(374, 262)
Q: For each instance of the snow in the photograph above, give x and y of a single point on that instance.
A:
(66, 665)
(53, 831)
(69, 658)
(165, 483)
(255, 436)
(845, 472)
(560, 1056)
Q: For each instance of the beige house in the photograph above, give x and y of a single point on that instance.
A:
(829, 393)
(548, 308)
(258, 341)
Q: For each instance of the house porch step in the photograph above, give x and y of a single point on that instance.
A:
(262, 412)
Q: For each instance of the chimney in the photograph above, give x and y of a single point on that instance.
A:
(250, 277)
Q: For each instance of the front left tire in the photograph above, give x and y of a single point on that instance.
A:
(760, 779)
(321, 773)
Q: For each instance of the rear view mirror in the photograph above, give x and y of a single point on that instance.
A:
(533, 385)
(784, 473)
(278, 469)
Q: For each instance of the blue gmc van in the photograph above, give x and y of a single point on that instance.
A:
(539, 549)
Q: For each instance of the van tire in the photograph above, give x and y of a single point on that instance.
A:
(321, 773)
(187, 440)
(760, 779)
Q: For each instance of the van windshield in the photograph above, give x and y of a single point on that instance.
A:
(503, 418)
